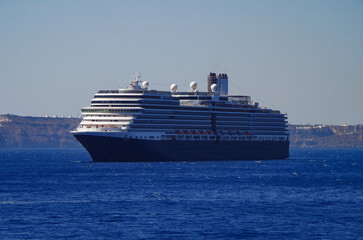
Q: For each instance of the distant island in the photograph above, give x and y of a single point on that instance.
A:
(53, 132)
(37, 132)
(326, 136)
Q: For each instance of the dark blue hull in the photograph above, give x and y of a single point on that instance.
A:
(111, 149)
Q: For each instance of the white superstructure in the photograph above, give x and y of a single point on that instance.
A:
(141, 113)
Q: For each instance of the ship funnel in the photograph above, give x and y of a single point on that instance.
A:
(212, 79)
(223, 84)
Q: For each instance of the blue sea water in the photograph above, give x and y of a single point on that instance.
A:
(62, 194)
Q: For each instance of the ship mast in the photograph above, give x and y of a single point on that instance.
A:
(135, 83)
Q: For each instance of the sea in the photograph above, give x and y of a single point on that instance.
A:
(62, 194)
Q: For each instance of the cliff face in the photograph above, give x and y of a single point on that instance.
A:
(326, 136)
(41, 132)
(37, 132)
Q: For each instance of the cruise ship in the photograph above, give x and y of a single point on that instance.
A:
(140, 124)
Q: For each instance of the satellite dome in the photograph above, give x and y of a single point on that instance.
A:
(174, 87)
(145, 84)
(193, 86)
(214, 87)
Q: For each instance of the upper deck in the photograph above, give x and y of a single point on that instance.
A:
(216, 98)
(145, 93)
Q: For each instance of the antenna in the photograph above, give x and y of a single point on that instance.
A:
(137, 76)
(135, 84)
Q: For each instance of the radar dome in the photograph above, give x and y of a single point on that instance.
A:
(145, 84)
(174, 87)
(193, 86)
(214, 87)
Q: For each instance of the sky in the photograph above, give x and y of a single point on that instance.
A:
(304, 58)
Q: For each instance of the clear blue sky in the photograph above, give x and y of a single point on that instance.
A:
(302, 57)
